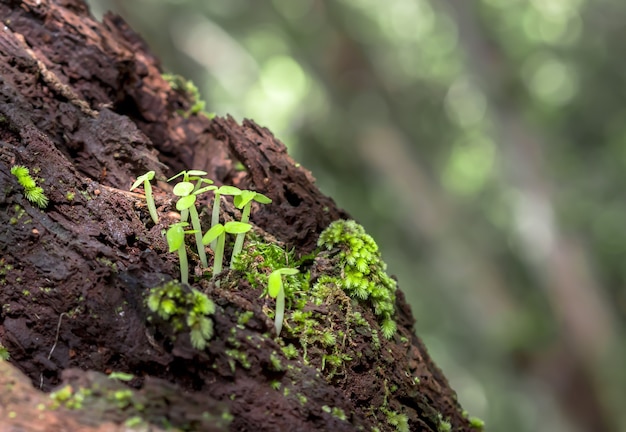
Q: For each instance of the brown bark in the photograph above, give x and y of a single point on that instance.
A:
(84, 107)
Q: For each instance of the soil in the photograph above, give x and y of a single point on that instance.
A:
(84, 106)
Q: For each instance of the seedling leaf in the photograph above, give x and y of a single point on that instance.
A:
(260, 198)
(274, 284)
(146, 177)
(175, 236)
(234, 227)
(228, 190)
(183, 189)
(185, 202)
(212, 234)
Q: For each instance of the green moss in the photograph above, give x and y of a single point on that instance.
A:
(399, 421)
(32, 192)
(190, 90)
(335, 412)
(4, 353)
(361, 271)
(184, 308)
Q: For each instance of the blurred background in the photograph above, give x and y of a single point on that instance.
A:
(481, 142)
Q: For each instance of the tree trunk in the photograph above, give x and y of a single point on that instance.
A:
(84, 107)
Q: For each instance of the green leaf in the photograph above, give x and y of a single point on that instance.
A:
(185, 202)
(228, 190)
(146, 177)
(243, 199)
(175, 237)
(288, 271)
(204, 189)
(182, 173)
(212, 234)
(260, 198)
(234, 227)
(197, 173)
(274, 284)
(183, 188)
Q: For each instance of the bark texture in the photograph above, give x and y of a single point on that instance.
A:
(83, 105)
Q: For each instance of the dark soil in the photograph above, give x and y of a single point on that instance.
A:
(84, 107)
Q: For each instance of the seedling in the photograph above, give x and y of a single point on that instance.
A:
(187, 202)
(218, 232)
(189, 176)
(244, 201)
(215, 215)
(32, 192)
(275, 289)
(176, 240)
(145, 179)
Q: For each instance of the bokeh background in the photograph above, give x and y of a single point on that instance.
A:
(481, 142)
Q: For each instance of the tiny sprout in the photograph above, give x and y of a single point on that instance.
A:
(215, 214)
(187, 193)
(219, 232)
(244, 201)
(176, 240)
(32, 192)
(189, 176)
(145, 179)
(276, 290)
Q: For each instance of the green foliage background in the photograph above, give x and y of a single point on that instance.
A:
(483, 145)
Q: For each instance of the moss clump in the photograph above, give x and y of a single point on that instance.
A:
(362, 272)
(32, 192)
(183, 306)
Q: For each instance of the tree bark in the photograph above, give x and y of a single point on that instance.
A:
(84, 107)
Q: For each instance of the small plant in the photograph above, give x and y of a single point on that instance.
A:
(190, 176)
(187, 203)
(218, 232)
(244, 201)
(215, 213)
(147, 187)
(32, 192)
(275, 289)
(175, 236)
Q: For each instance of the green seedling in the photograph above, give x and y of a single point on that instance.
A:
(32, 192)
(244, 201)
(215, 214)
(147, 187)
(190, 176)
(275, 289)
(187, 202)
(218, 232)
(176, 240)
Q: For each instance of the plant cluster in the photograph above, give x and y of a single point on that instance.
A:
(187, 192)
(362, 271)
(32, 192)
(184, 307)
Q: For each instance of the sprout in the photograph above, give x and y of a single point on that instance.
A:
(218, 232)
(176, 240)
(145, 179)
(188, 176)
(244, 201)
(215, 215)
(276, 290)
(32, 192)
(188, 192)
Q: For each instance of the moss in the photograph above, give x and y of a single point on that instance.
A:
(184, 308)
(361, 270)
(32, 192)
